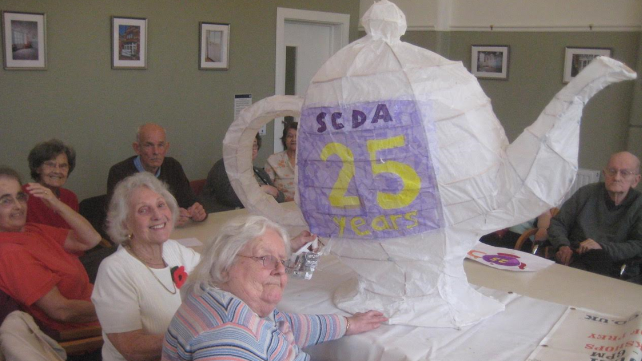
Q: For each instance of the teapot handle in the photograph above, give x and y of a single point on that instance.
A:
(237, 155)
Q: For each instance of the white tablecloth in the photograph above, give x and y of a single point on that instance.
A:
(511, 335)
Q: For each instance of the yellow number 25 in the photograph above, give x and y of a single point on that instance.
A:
(410, 179)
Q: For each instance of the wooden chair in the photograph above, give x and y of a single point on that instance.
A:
(526, 236)
(80, 341)
(531, 232)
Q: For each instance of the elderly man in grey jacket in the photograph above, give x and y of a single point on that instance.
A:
(600, 226)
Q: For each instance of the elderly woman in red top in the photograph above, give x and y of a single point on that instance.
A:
(39, 267)
(51, 162)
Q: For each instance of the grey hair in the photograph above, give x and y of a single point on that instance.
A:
(119, 205)
(6, 172)
(219, 255)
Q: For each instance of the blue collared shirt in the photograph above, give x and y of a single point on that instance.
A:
(139, 166)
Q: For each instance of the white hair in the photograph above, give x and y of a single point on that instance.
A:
(219, 255)
(119, 205)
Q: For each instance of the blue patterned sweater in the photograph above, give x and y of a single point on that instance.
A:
(218, 326)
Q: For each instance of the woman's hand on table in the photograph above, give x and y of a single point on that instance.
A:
(183, 217)
(197, 212)
(362, 322)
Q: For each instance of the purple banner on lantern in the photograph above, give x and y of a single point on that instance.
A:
(365, 170)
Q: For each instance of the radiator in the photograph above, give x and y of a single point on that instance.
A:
(584, 177)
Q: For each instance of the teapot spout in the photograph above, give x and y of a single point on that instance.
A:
(540, 166)
(544, 157)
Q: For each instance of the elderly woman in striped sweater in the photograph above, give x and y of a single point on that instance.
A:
(228, 311)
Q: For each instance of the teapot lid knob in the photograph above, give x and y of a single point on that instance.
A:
(384, 20)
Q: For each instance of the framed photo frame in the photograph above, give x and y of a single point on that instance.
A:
(489, 61)
(128, 43)
(214, 46)
(576, 59)
(24, 41)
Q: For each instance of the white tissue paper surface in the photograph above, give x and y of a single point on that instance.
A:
(402, 165)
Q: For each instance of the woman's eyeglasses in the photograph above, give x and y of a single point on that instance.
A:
(53, 165)
(269, 262)
(8, 200)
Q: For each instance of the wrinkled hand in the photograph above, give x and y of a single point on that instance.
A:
(564, 255)
(39, 191)
(183, 217)
(300, 240)
(197, 212)
(270, 190)
(587, 245)
(362, 322)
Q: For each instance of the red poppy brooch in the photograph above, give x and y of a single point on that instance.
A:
(179, 275)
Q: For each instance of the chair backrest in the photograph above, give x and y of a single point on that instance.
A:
(94, 209)
(197, 186)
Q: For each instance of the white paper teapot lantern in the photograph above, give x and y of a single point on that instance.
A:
(403, 165)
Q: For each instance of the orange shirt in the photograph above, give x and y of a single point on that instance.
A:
(33, 262)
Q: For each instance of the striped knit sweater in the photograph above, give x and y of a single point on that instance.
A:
(218, 326)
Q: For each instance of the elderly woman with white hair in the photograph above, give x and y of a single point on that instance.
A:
(228, 312)
(137, 289)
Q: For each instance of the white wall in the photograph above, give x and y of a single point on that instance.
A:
(420, 14)
(521, 15)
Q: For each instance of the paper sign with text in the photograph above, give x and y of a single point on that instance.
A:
(585, 335)
(366, 171)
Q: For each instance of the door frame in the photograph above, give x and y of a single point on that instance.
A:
(340, 30)
(340, 25)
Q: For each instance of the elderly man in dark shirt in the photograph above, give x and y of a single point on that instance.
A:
(600, 226)
(151, 146)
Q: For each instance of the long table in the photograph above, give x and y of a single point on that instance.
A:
(546, 291)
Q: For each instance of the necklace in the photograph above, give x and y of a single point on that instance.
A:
(131, 250)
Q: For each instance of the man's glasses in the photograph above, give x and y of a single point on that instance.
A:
(625, 173)
(269, 262)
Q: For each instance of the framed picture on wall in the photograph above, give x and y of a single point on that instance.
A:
(214, 48)
(577, 59)
(128, 43)
(489, 61)
(24, 41)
